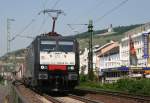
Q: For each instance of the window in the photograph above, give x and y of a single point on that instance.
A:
(65, 46)
(48, 46)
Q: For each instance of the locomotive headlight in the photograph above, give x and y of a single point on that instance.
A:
(70, 67)
(43, 67)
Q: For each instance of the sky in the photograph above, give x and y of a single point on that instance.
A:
(28, 21)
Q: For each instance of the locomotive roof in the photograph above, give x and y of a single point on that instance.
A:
(54, 37)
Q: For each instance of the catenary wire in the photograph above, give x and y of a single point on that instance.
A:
(20, 33)
(87, 12)
(44, 20)
(110, 11)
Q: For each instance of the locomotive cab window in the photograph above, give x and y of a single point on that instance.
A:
(48, 46)
(65, 46)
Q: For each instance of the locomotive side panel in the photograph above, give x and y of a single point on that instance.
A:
(29, 65)
(35, 67)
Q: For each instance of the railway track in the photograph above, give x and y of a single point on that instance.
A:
(86, 100)
(66, 98)
(81, 96)
(69, 99)
(138, 98)
(34, 96)
(52, 99)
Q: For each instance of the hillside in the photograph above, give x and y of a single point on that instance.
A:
(83, 38)
(17, 53)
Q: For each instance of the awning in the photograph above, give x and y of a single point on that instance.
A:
(117, 69)
(123, 68)
(146, 68)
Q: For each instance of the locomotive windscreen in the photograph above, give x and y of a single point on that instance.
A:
(65, 46)
(48, 46)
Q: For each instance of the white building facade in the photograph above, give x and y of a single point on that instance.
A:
(109, 56)
(111, 61)
(138, 40)
(84, 61)
(141, 40)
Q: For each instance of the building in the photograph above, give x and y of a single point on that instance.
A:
(112, 61)
(110, 29)
(109, 64)
(84, 61)
(141, 40)
(138, 44)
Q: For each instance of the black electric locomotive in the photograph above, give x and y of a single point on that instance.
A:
(52, 63)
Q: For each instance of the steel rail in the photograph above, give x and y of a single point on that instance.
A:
(86, 100)
(52, 99)
(119, 94)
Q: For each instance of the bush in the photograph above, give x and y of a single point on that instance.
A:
(83, 78)
(128, 85)
(134, 86)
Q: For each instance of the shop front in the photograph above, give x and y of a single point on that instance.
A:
(146, 71)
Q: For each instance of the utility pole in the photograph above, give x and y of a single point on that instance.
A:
(8, 34)
(90, 54)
